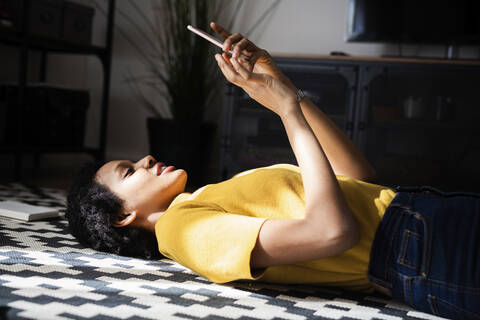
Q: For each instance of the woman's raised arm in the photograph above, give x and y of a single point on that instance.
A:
(344, 157)
(328, 227)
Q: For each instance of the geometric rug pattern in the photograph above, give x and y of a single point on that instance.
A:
(46, 274)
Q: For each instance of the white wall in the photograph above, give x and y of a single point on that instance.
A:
(126, 132)
(318, 27)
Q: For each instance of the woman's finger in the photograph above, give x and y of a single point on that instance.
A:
(247, 64)
(220, 30)
(242, 45)
(244, 72)
(240, 50)
(227, 70)
(226, 57)
(234, 38)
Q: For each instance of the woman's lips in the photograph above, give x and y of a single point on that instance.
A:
(161, 168)
(158, 168)
(167, 169)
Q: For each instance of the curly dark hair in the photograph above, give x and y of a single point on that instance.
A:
(91, 211)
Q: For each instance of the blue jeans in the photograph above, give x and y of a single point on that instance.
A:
(427, 251)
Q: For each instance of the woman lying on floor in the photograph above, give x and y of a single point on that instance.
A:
(322, 222)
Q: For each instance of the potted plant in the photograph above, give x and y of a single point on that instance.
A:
(181, 69)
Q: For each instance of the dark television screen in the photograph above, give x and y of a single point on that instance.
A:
(414, 21)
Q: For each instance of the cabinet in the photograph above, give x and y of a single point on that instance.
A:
(255, 136)
(416, 121)
(27, 43)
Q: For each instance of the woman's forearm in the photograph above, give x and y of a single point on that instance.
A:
(344, 157)
(326, 208)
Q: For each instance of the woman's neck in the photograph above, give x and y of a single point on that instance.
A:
(151, 220)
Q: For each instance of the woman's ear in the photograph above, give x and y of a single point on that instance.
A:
(125, 219)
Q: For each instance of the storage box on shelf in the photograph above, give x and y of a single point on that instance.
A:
(77, 23)
(45, 18)
(58, 20)
(10, 15)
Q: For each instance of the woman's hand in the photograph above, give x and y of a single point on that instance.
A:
(261, 87)
(257, 60)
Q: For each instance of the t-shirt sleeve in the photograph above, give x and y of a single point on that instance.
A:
(211, 242)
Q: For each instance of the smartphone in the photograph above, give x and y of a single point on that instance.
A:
(212, 39)
(205, 35)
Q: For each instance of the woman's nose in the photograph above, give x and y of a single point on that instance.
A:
(150, 161)
(146, 162)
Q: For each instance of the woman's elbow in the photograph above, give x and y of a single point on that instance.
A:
(352, 237)
(348, 237)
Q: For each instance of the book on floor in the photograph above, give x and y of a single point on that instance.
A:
(25, 212)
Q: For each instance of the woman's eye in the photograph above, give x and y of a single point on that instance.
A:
(129, 171)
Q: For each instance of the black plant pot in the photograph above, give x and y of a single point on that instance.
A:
(184, 144)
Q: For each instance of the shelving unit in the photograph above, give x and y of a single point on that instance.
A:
(442, 152)
(44, 45)
(255, 137)
(365, 97)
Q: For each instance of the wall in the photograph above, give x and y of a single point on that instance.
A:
(318, 27)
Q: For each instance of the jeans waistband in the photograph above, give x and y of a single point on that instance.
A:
(430, 189)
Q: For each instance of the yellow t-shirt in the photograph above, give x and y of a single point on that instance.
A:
(214, 230)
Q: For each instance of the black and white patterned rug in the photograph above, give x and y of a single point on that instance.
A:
(46, 274)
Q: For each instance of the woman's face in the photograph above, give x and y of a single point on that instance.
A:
(146, 186)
